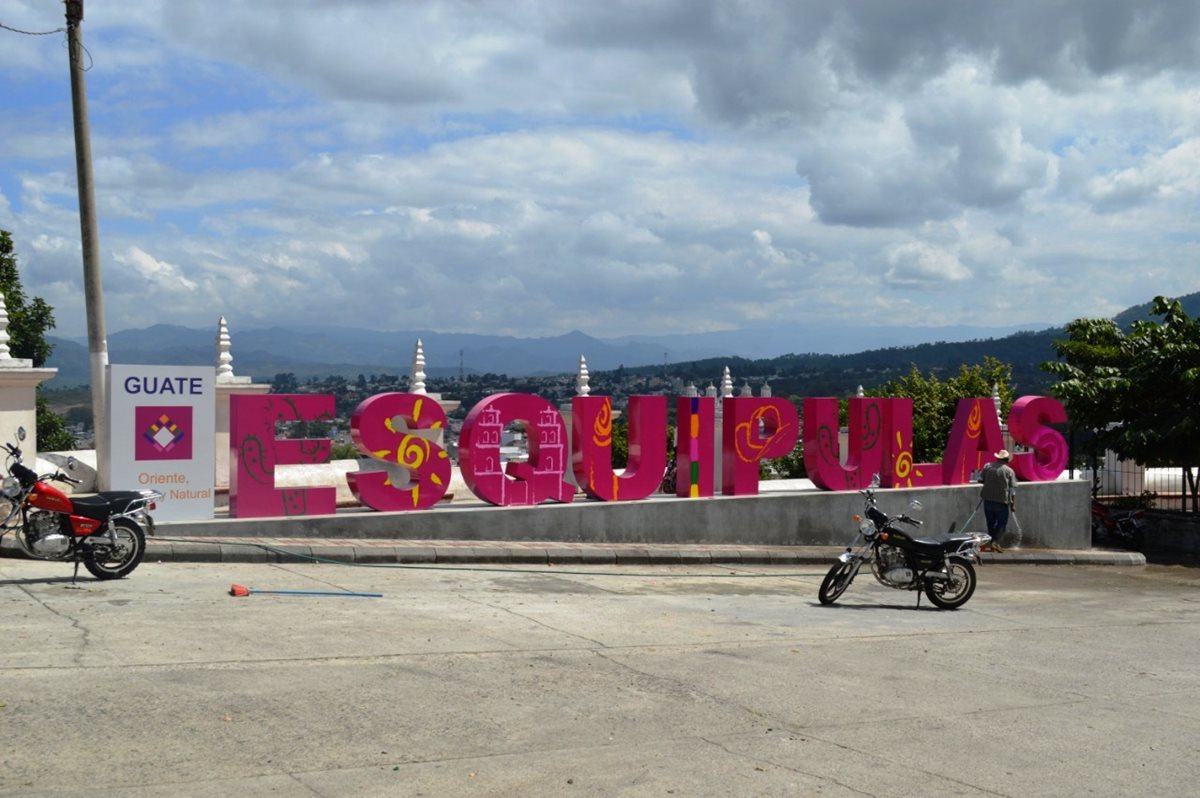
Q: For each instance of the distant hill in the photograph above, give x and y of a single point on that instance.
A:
(817, 374)
(316, 351)
(1190, 303)
(348, 352)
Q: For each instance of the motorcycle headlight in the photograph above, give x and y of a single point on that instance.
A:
(867, 527)
(10, 488)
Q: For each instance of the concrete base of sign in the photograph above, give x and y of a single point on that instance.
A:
(1049, 515)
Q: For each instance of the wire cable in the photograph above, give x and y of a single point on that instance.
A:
(32, 32)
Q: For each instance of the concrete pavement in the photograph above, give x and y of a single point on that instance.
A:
(694, 680)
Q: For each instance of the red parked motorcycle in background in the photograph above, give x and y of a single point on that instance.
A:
(106, 531)
(1117, 527)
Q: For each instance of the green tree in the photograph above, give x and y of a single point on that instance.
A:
(285, 382)
(935, 401)
(620, 443)
(790, 466)
(28, 321)
(1135, 392)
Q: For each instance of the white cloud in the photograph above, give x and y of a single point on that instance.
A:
(641, 166)
(152, 270)
(915, 264)
(1171, 175)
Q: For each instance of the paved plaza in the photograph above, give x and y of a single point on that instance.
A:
(516, 680)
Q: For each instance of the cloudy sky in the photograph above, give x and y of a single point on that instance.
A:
(530, 167)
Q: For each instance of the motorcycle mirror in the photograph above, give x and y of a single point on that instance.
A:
(71, 463)
(875, 480)
(20, 433)
(915, 504)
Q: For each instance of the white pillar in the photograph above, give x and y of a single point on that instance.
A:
(416, 383)
(581, 379)
(582, 388)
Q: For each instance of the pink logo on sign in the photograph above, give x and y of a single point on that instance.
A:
(162, 433)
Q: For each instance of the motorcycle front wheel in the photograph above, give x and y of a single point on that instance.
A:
(953, 592)
(836, 581)
(108, 561)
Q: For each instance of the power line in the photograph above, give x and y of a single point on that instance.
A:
(32, 32)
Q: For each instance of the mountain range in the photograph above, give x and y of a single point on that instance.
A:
(313, 351)
(316, 351)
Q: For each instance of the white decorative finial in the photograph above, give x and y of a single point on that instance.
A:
(726, 383)
(766, 389)
(224, 356)
(859, 393)
(996, 397)
(417, 383)
(711, 391)
(746, 390)
(581, 379)
(4, 353)
(690, 390)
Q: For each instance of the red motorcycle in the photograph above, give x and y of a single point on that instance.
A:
(107, 531)
(1121, 527)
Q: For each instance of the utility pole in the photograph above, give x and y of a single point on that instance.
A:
(92, 289)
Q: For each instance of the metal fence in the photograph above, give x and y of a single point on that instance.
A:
(1124, 483)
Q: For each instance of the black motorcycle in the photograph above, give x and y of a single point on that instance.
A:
(942, 568)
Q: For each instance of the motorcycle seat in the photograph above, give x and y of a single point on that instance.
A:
(937, 546)
(102, 505)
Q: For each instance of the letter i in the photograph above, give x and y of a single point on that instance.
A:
(694, 446)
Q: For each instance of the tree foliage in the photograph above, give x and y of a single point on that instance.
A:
(790, 466)
(935, 400)
(1136, 392)
(28, 321)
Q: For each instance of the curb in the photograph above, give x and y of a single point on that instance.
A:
(375, 552)
(567, 554)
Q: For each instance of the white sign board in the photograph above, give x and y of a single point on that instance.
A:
(162, 423)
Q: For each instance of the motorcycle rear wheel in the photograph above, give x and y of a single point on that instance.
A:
(106, 561)
(954, 592)
(835, 583)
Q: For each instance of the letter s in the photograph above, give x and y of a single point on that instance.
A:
(373, 429)
(1027, 422)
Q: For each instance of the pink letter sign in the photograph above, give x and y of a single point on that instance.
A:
(591, 424)
(694, 446)
(753, 429)
(519, 483)
(1027, 422)
(899, 469)
(867, 443)
(974, 438)
(374, 431)
(254, 451)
